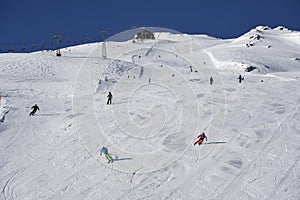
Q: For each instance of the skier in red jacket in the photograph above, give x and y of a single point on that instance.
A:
(201, 137)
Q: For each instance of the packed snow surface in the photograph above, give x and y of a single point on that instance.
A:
(162, 100)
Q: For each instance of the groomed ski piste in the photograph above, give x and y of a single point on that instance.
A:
(162, 100)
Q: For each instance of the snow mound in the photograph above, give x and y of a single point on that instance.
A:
(268, 50)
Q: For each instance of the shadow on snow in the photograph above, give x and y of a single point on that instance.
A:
(214, 143)
(120, 159)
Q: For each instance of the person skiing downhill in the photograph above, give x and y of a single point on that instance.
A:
(240, 78)
(104, 151)
(201, 137)
(109, 96)
(211, 80)
(34, 109)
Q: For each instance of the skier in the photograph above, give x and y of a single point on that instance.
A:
(240, 78)
(211, 80)
(201, 137)
(104, 151)
(34, 109)
(109, 96)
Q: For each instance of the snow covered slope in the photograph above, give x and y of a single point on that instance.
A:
(162, 101)
(268, 50)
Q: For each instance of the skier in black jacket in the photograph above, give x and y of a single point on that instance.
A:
(109, 96)
(34, 109)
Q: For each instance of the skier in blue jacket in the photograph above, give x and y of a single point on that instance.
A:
(104, 151)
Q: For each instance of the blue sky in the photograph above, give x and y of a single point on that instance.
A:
(35, 21)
